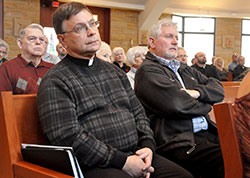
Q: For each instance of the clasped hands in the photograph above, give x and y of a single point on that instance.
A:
(139, 165)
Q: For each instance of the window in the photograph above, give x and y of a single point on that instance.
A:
(196, 34)
(245, 41)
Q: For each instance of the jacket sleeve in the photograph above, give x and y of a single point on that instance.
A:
(144, 131)
(211, 90)
(58, 115)
(160, 92)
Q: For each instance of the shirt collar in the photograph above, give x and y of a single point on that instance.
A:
(169, 63)
(23, 63)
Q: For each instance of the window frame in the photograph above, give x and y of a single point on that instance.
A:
(183, 29)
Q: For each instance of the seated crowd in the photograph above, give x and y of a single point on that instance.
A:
(141, 114)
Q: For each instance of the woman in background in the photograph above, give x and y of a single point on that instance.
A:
(135, 57)
(219, 64)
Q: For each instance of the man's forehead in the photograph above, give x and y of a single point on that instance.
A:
(30, 31)
(83, 16)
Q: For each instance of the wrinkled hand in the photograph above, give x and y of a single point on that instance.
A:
(193, 93)
(134, 166)
(146, 155)
(139, 165)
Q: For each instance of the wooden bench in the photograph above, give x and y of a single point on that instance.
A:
(230, 93)
(19, 123)
(230, 83)
(229, 140)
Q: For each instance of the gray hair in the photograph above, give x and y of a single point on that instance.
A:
(4, 44)
(104, 47)
(240, 57)
(156, 31)
(64, 12)
(115, 51)
(33, 25)
(132, 52)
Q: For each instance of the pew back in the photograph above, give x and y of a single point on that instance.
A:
(229, 140)
(19, 123)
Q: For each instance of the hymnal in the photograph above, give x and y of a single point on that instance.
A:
(58, 158)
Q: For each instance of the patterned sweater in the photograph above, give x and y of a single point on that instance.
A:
(94, 110)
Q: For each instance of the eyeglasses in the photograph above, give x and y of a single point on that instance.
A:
(3, 52)
(181, 56)
(83, 28)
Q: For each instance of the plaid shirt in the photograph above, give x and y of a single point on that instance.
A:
(94, 110)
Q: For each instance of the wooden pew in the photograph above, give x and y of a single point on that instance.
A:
(230, 93)
(244, 86)
(230, 83)
(229, 140)
(19, 123)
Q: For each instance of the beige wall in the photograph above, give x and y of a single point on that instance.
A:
(226, 27)
(124, 27)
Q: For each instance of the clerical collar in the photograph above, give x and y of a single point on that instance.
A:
(80, 61)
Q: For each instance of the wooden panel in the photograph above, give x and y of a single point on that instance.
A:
(103, 16)
(19, 123)
(230, 93)
(230, 83)
(1, 19)
(24, 169)
(229, 140)
(244, 86)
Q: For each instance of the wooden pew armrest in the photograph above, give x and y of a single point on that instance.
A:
(24, 169)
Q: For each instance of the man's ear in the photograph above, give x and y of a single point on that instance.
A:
(151, 42)
(61, 39)
(19, 43)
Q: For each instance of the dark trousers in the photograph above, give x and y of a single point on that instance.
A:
(205, 161)
(163, 169)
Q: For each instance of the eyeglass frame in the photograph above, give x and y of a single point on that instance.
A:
(95, 25)
(181, 56)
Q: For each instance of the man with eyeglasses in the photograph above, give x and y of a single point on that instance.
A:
(4, 48)
(23, 74)
(177, 99)
(87, 103)
(181, 55)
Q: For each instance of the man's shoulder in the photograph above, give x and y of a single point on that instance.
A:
(11, 62)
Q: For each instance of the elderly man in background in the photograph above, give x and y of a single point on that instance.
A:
(4, 48)
(177, 99)
(61, 51)
(47, 56)
(234, 63)
(240, 70)
(23, 74)
(181, 55)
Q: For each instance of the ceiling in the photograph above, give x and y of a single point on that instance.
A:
(215, 8)
(151, 10)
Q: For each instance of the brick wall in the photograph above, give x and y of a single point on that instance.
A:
(227, 27)
(17, 14)
(123, 28)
